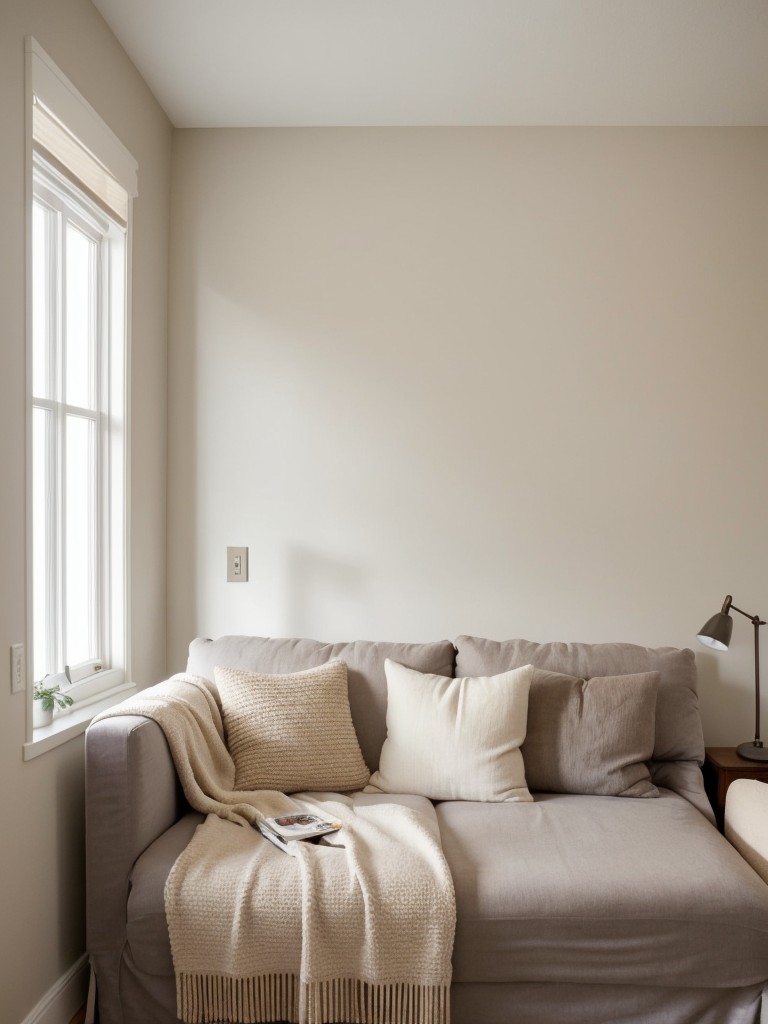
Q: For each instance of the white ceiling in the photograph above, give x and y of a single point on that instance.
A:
(220, 63)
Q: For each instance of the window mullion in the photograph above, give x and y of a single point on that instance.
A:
(51, 526)
(100, 333)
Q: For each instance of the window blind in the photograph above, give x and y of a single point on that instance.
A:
(61, 148)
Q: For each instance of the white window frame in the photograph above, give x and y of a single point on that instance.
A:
(96, 684)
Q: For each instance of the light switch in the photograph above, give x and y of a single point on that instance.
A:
(18, 671)
(237, 565)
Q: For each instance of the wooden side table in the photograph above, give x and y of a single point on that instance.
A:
(721, 766)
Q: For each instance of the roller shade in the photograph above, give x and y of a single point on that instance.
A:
(52, 140)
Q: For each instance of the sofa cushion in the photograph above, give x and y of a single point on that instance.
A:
(678, 748)
(149, 946)
(595, 890)
(678, 726)
(591, 736)
(454, 739)
(291, 732)
(365, 671)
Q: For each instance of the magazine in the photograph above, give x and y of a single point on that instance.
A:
(290, 827)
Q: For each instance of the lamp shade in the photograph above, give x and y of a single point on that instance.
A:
(716, 632)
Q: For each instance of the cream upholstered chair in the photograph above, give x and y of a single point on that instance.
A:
(746, 822)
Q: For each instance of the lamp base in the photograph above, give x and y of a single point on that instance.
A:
(751, 752)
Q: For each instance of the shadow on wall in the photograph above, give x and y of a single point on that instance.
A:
(323, 590)
(70, 861)
(185, 395)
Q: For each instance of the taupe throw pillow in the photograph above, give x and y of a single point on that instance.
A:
(454, 739)
(291, 732)
(591, 736)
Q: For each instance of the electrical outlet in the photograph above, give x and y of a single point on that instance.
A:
(18, 674)
(237, 565)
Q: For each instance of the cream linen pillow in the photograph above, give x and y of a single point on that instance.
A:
(591, 736)
(291, 732)
(454, 739)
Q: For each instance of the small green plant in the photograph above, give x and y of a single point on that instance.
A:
(51, 696)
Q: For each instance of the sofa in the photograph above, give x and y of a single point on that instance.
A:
(571, 908)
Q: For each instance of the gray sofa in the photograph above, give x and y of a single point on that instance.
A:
(573, 909)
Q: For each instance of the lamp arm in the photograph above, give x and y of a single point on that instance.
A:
(754, 619)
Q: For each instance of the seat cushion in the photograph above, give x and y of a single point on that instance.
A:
(149, 945)
(594, 890)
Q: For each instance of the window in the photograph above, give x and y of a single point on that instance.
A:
(78, 358)
(71, 430)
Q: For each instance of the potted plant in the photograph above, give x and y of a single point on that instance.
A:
(45, 699)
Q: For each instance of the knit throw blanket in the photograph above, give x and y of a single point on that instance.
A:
(357, 929)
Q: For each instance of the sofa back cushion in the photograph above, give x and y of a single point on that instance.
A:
(365, 671)
(678, 733)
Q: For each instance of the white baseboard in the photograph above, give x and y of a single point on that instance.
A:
(62, 1001)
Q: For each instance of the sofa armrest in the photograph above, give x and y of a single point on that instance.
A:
(132, 796)
(746, 822)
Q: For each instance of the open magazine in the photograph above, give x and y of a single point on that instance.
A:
(290, 827)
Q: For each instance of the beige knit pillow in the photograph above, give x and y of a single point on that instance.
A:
(454, 739)
(291, 732)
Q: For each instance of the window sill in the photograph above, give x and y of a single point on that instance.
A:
(67, 726)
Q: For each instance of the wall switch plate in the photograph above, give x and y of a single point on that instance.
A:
(237, 565)
(18, 672)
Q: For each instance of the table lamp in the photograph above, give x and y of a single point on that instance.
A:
(716, 633)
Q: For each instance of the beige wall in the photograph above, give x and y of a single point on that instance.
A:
(502, 381)
(505, 381)
(41, 840)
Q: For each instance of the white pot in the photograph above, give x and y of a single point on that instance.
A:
(40, 716)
